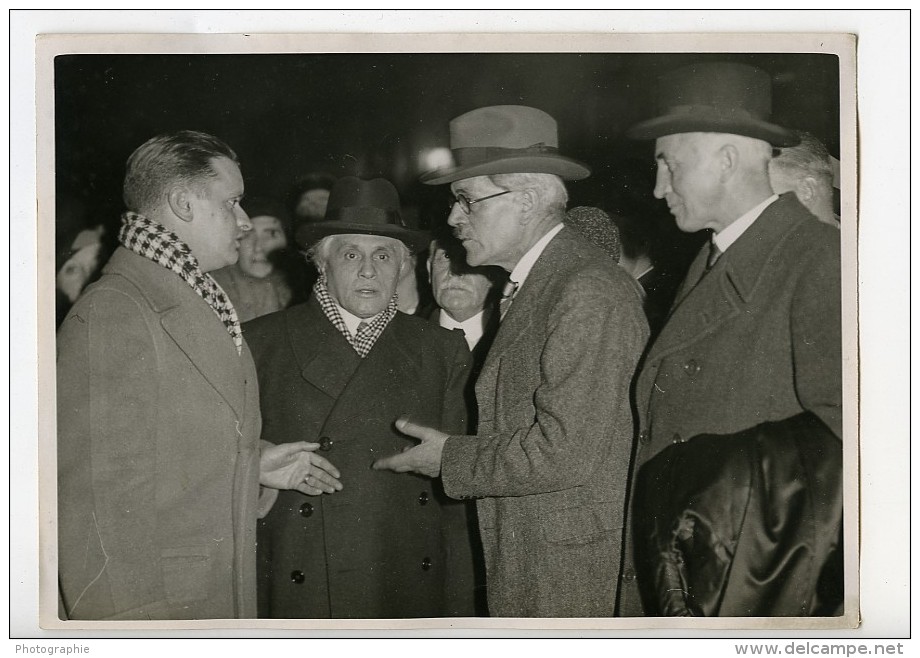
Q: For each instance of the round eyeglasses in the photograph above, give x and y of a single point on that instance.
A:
(466, 203)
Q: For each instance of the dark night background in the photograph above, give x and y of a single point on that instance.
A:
(371, 114)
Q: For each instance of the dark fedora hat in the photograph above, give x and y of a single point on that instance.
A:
(505, 139)
(367, 207)
(718, 97)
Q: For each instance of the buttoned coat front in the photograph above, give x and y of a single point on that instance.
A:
(549, 464)
(755, 339)
(158, 459)
(386, 545)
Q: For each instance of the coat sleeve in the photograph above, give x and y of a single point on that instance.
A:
(595, 333)
(816, 338)
(107, 451)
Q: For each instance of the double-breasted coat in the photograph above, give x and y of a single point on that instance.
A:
(158, 455)
(549, 464)
(755, 339)
(387, 545)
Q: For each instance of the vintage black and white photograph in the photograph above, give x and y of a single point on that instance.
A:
(451, 334)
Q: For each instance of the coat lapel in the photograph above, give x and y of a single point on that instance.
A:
(190, 322)
(325, 359)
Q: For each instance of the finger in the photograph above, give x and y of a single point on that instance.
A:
(304, 488)
(288, 449)
(406, 426)
(397, 463)
(323, 480)
(325, 465)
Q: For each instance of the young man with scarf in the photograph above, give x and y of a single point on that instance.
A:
(339, 370)
(158, 416)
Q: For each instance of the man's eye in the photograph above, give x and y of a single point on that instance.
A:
(383, 256)
(350, 255)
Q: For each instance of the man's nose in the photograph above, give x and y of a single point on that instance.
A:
(662, 185)
(367, 270)
(242, 220)
(456, 215)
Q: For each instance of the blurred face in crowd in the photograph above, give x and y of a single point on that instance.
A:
(458, 289)
(362, 272)
(312, 204)
(218, 223)
(491, 234)
(76, 271)
(266, 236)
(688, 179)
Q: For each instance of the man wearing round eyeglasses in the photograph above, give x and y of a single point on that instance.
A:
(549, 464)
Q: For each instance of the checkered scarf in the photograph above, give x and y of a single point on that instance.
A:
(368, 332)
(151, 240)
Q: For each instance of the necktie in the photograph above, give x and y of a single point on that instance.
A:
(714, 253)
(361, 327)
(508, 293)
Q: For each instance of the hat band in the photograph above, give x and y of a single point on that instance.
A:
(467, 155)
(728, 112)
(364, 215)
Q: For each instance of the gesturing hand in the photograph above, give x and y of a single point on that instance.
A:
(297, 466)
(425, 458)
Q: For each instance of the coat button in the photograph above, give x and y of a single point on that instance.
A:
(692, 368)
(426, 564)
(423, 498)
(677, 438)
(643, 437)
(325, 444)
(297, 577)
(629, 575)
(306, 510)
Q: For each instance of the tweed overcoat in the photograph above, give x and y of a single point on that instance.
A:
(388, 544)
(549, 464)
(755, 339)
(158, 456)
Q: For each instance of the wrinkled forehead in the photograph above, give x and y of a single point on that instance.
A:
(366, 243)
(473, 186)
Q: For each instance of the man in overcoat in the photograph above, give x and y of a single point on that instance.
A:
(738, 507)
(339, 370)
(158, 416)
(549, 462)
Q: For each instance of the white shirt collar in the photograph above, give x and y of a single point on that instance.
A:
(522, 269)
(724, 239)
(351, 320)
(472, 328)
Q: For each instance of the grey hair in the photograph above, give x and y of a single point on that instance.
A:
(551, 193)
(809, 158)
(319, 253)
(183, 157)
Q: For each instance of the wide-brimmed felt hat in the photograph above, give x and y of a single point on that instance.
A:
(505, 139)
(719, 97)
(366, 207)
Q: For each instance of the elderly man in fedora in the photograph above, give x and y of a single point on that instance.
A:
(549, 462)
(338, 370)
(737, 508)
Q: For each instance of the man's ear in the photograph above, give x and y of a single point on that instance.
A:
(180, 202)
(728, 159)
(529, 201)
(806, 189)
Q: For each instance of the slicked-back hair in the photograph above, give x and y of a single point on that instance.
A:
(551, 191)
(183, 157)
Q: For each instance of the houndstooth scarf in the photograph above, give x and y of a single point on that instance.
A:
(151, 240)
(368, 332)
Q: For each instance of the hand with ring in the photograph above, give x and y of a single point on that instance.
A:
(297, 466)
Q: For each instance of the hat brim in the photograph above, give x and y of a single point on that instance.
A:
(566, 168)
(671, 124)
(308, 234)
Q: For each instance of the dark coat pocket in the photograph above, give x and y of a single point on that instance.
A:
(186, 573)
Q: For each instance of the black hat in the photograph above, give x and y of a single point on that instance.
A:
(368, 207)
(718, 97)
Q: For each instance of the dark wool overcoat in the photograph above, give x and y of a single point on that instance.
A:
(158, 455)
(756, 339)
(550, 460)
(389, 544)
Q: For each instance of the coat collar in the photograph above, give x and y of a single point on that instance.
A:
(189, 321)
(707, 299)
(325, 359)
